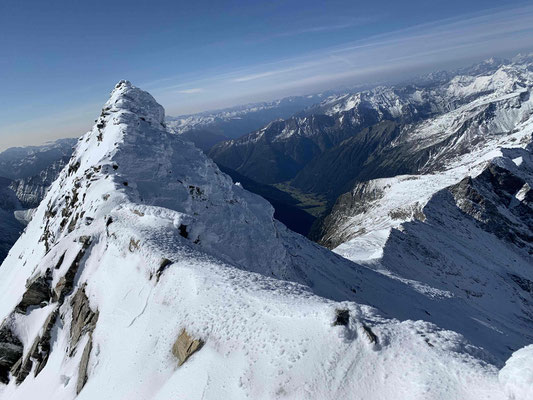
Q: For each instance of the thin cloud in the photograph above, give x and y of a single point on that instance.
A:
(266, 74)
(384, 56)
(481, 34)
(327, 28)
(191, 91)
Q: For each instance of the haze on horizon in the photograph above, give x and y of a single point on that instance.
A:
(61, 59)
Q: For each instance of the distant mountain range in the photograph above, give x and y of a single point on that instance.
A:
(25, 175)
(376, 133)
(209, 128)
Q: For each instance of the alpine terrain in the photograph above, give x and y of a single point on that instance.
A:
(147, 273)
(382, 132)
(27, 172)
(209, 128)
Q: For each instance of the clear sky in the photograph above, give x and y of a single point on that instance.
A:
(60, 58)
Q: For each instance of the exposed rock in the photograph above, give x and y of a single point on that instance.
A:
(164, 264)
(134, 245)
(37, 292)
(183, 231)
(83, 317)
(524, 283)
(83, 322)
(342, 317)
(39, 351)
(185, 346)
(355, 202)
(10, 352)
(84, 362)
(66, 283)
(369, 334)
(482, 198)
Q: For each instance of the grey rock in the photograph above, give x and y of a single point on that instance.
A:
(84, 363)
(10, 352)
(37, 292)
(83, 317)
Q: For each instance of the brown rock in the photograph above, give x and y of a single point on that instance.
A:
(185, 346)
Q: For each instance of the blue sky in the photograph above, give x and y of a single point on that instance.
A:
(60, 59)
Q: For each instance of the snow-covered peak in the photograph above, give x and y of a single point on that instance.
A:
(127, 98)
(504, 80)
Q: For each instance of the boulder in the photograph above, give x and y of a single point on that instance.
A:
(185, 346)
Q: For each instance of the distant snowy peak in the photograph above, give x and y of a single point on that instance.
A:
(24, 162)
(458, 89)
(253, 112)
(496, 113)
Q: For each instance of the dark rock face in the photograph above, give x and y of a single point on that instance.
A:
(84, 363)
(370, 335)
(37, 292)
(326, 231)
(10, 352)
(491, 200)
(83, 323)
(83, 317)
(342, 317)
(66, 283)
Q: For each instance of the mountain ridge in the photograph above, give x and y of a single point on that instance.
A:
(119, 256)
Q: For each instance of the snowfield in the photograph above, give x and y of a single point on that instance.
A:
(142, 238)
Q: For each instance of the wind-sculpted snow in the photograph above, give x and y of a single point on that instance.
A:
(142, 237)
(517, 375)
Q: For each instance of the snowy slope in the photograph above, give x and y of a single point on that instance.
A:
(141, 237)
(464, 224)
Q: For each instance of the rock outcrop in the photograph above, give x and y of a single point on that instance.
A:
(185, 346)
(10, 351)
